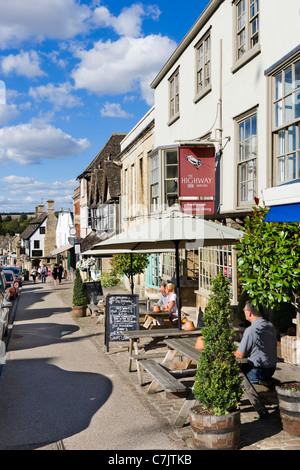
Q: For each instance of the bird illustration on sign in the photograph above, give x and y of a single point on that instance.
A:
(194, 161)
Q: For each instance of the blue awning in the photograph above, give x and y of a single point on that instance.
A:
(284, 213)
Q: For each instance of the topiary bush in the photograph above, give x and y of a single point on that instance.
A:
(218, 383)
(79, 292)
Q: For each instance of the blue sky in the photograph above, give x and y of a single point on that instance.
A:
(73, 72)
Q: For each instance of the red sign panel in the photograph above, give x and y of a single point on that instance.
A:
(197, 184)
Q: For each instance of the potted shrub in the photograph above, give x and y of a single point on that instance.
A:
(79, 296)
(215, 420)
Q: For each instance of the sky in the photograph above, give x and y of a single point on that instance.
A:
(73, 72)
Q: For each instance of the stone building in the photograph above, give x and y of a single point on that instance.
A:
(100, 191)
(39, 238)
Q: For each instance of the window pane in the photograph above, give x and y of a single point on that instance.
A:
(172, 171)
(298, 165)
(242, 131)
(288, 109)
(278, 114)
(278, 86)
(291, 139)
(253, 124)
(281, 143)
(171, 158)
(292, 167)
(288, 81)
(297, 74)
(281, 170)
(247, 129)
(297, 104)
(254, 147)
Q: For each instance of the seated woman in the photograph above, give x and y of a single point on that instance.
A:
(171, 304)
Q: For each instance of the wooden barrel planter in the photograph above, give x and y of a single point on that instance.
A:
(215, 432)
(79, 311)
(289, 406)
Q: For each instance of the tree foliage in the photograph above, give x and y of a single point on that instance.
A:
(121, 264)
(217, 383)
(13, 225)
(269, 260)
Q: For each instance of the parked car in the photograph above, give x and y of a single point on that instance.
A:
(12, 284)
(17, 272)
(4, 306)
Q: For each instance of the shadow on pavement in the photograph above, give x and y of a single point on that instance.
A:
(55, 403)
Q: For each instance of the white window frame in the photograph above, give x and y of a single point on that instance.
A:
(154, 172)
(169, 195)
(174, 97)
(247, 156)
(246, 32)
(203, 66)
(286, 121)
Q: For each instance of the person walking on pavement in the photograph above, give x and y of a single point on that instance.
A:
(44, 273)
(60, 273)
(55, 273)
(34, 274)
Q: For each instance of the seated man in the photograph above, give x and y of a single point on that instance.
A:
(163, 297)
(259, 346)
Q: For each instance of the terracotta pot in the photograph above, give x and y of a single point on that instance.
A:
(189, 326)
(156, 308)
(215, 432)
(79, 311)
(199, 343)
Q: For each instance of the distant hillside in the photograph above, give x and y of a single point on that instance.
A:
(13, 223)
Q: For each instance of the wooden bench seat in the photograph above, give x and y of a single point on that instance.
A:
(169, 383)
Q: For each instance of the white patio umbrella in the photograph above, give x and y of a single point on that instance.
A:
(169, 231)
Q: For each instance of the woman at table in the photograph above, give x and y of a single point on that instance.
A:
(171, 304)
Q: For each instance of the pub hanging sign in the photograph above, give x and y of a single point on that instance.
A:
(197, 182)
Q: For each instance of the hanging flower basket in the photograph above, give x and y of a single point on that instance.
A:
(86, 264)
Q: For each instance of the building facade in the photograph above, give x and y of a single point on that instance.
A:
(229, 94)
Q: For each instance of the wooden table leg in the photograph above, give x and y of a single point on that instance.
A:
(184, 411)
(254, 398)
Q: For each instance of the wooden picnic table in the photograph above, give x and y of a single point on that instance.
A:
(151, 317)
(156, 336)
(186, 347)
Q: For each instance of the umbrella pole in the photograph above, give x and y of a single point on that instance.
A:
(176, 242)
(131, 273)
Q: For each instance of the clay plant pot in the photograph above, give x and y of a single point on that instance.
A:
(289, 405)
(199, 343)
(79, 311)
(189, 326)
(215, 432)
(156, 309)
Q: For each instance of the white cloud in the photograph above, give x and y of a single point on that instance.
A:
(25, 64)
(7, 113)
(30, 143)
(60, 95)
(32, 192)
(122, 66)
(114, 110)
(39, 19)
(129, 22)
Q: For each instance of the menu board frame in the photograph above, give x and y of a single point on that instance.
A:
(117, 306)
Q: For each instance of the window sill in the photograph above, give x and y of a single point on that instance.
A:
(247, 57)
(173, 119)
(242, 206)
(203, 93)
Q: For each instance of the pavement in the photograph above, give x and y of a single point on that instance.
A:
(61, 390)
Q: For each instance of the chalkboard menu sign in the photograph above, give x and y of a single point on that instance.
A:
(122, 313)
(93, 291)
